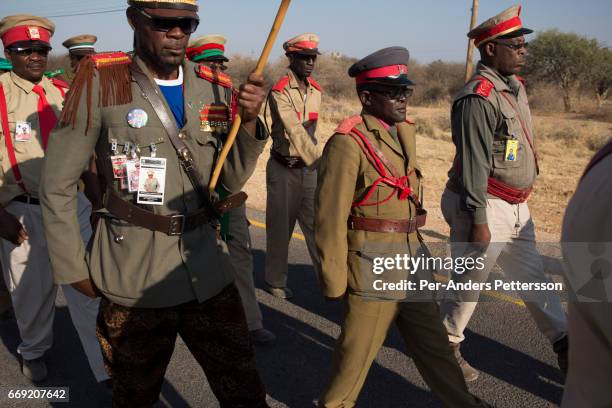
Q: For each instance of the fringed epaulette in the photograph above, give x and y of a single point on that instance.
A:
(218, 78)
(348, 124)
(410, 121)
(115, 84)
(314, 83)
(281, 84)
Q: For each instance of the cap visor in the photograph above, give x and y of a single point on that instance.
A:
(518, 33)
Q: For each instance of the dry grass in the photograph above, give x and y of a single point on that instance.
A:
(565, 144)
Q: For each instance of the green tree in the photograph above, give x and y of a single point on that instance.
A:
(601, 75)
(565, 59)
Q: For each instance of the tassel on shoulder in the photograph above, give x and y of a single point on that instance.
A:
(115, 85)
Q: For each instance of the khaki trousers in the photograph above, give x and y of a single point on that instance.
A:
(513, 247)
(290, 197)
(239, 246)
(365, 327)
(5, 297)
(29, 278)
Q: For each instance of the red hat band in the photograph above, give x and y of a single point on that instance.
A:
(302, 45)
(382, 72)
(26, 33)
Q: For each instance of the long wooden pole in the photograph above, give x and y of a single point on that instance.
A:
(261, 63)
(469, 61)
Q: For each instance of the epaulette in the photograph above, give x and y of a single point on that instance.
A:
(348, 124)
(410, 121)
(115, 84)
(483, 87)
(59, 83)
(107, 59)
(314, 83)
(281, 84)
(218, 78)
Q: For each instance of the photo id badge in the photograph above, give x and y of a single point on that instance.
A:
(151, 181)
(133, 170)
(511, 150)
(118, 163)
(23, 131)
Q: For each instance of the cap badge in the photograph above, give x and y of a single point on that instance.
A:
(34, 33)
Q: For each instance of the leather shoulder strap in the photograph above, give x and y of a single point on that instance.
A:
(184, 154)
(8, 141)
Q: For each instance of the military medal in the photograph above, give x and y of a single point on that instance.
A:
(137, 118)
(214, 118)
(511, 150)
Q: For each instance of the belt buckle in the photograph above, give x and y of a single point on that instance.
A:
(177, 225)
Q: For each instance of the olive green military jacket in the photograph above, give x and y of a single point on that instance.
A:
(344, 177)
(145, 268)
(490, 110)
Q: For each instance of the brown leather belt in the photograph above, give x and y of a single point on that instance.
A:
(380, 225)
(291, 162)
(172, 225)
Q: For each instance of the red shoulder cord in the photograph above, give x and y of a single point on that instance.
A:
(400, 184)
(8, 141)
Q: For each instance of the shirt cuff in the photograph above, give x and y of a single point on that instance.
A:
(480, 215)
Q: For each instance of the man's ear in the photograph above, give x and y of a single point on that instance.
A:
(8, 55)
(489, 49)
(365, 97)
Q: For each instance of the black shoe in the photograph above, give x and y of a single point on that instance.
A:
(561, 347)
(469, 372)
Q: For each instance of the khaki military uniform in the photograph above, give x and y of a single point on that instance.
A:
(345, 177)
(143, 274)
(586, 240)
(487, 113)
(26, 268)
(290, 191)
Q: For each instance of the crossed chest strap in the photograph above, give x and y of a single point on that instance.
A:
(391, 177)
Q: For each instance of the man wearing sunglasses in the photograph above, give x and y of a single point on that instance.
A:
(155, 258)
(495, 166)
(291, 172)
(209, 52)
(30, 106)
(367, 206)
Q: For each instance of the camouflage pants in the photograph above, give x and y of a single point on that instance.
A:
(137, 345)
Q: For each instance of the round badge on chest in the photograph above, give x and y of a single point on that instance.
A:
(137, 118)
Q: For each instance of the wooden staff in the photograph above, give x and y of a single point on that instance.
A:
(469, 61)
(261, 63)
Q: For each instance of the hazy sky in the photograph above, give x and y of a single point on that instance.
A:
(431, 30)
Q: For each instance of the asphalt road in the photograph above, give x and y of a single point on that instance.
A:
(518, 367)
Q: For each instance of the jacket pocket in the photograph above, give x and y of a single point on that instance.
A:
(499, 155)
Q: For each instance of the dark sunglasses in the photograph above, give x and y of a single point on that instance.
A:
(188, 25)
(514, 47)
(397, 94)
(26, 52)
